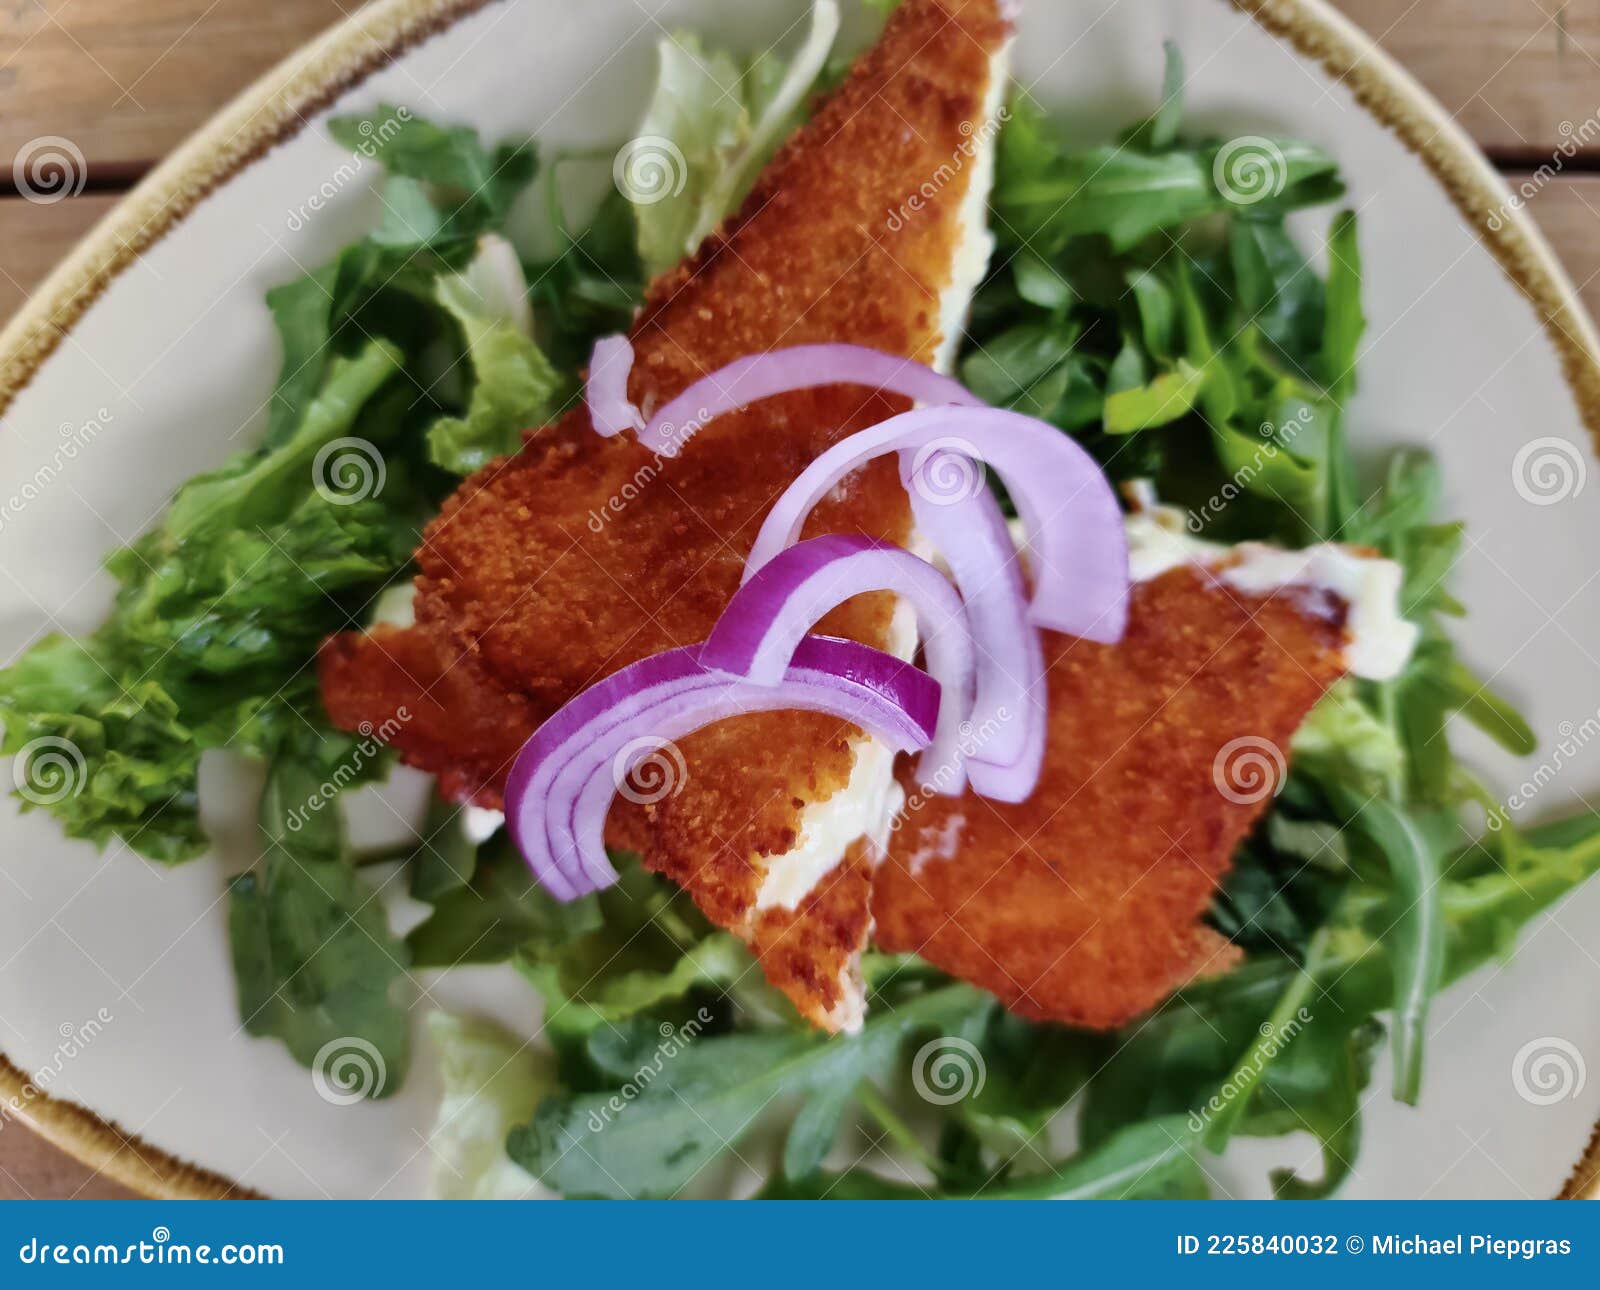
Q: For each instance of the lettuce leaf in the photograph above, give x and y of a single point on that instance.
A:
(492, 1082)
(218, 610)
(514, 386)
(711, 124)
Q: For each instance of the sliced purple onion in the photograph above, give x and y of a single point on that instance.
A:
(760, 376)
(1004, 737)
(1071, 517)
(1015, 779)
(770, 615)
(562, 783)
(606, 389)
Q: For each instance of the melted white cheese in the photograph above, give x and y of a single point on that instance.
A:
(977, 242)
(1380, 640)
(870, 801)
(480, 824)
(866, 806)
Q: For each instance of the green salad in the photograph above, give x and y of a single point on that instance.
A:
(1137, 302)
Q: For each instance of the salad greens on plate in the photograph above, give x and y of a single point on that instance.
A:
(1147, 297)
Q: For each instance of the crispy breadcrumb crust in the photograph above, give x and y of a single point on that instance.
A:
(1083, 903)
(578, 555)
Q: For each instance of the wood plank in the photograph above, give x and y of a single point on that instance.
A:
(35, 236)
(1567, 209)
(1511, 71)
(32, 1169)
(125, 81)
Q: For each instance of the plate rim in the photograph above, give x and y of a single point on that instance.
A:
(283, 101)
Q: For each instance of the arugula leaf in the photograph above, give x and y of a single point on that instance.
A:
(501, 908)
(1166, 398)
(444, 858)
(645, 945)
(1344, 324)
(1031, 1072)
(1160, 130)
(316, 965)
(1416, 943)
(1276, 289)
(1156, 1160)
(471, 188)
(706, 1096)
(1026, 368)
(1048, 196)
(639, 945)
(313, 957)
(1118, 193)
(593, 284)
(1344, 321)
(1179, 1059)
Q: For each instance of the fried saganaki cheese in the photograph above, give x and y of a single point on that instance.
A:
(578, 555)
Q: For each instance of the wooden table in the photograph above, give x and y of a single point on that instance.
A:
(126, 80)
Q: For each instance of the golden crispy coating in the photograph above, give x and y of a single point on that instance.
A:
(1083, 903)
(430, 699)
(814, 953)
(552, 568)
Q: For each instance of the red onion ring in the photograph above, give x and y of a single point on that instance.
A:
(1073, 522)
(606, 388)
(770, 615)
(1005, 735)
(752, 378)
(558, 796)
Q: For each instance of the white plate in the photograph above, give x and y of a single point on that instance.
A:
(172, 364)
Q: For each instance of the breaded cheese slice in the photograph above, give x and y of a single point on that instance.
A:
(1085, 903)
(556, 566)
